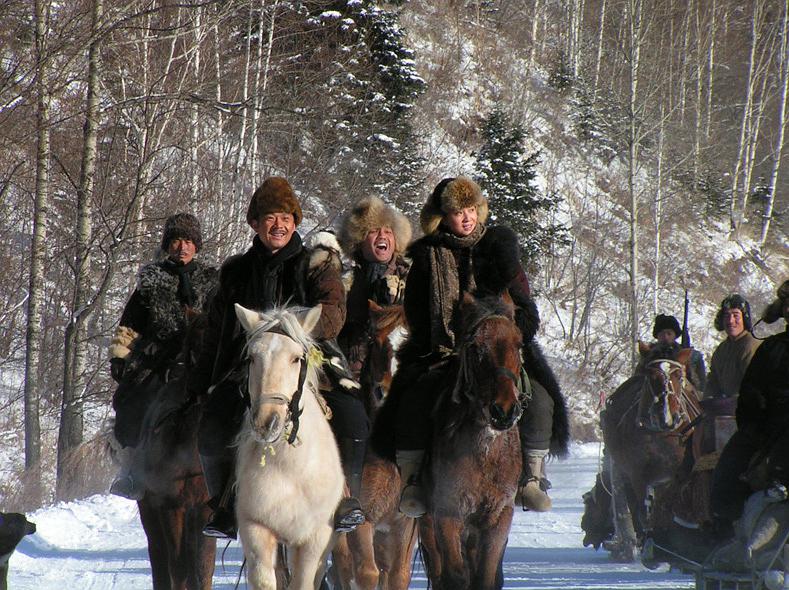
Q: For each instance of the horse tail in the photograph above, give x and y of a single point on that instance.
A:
(537, 368)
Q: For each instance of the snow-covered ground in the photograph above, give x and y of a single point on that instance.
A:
(98, 543)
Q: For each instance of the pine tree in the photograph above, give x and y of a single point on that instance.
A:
(507, 174)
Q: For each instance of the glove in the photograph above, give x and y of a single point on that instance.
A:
(117, 368)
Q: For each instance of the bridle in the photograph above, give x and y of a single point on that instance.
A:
(689, 409)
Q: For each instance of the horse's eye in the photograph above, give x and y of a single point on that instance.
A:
(296, 360)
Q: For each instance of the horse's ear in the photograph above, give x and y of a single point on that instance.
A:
(373, 306)
(643, 348)
(309, 318)
(248, 318)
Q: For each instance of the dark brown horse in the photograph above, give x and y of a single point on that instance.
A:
(645, 425)
(475, 458)
(378, 554)
(173, 510)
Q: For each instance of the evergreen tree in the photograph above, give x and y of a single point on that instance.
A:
(507, 174)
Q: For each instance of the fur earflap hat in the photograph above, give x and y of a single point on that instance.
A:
(182, 225)
(774, 311)
(372, 213)
(452, 194)
(734, 301)
(275, 195)
(666, 322)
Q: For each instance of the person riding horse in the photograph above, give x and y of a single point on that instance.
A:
(762, 420)
(460, 254)
(666, 330)
(278, 268)
(151, 332)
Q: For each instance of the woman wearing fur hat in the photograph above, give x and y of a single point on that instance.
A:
(277, 269)
(762, 420)
(152, 327)
(458, 254)
(732, 356)
(374, 235)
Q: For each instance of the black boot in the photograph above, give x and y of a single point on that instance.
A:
(217, 472)
(349, 513)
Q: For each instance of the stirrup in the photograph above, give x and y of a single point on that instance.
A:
(411, 501)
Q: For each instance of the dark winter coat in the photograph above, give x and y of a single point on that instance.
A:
(386, 289)
(308, 276)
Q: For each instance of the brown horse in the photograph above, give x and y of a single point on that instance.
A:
(475, 460)
(645, 426)
(378, 553)
(173, 509)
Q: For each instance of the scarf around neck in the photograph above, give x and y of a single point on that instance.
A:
(267, 278)
(186, 291)
(445, 284)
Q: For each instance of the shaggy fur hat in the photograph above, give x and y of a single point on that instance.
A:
(452, 194)
(372, 213)
(666, 322)
(774, 311)
(275, 195)
(734, 301)
(182, 225)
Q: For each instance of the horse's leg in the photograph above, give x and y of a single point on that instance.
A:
(308, 561)
(490, 548)
(454, 572)
(157, 546)
(624, 533)
(172, 521)
(260, 551)
(396, 575)
(343, 559)
(430, 553)
(361, 545)
(201, 549)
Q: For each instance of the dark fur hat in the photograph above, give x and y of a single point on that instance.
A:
(774, 311)
(734, 301)
(452, 194)
(372, 213)
(182, 225)
(275, 195)
(666, 322)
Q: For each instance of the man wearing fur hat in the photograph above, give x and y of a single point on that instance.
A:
(152, 328)
(460, 254)
(276, 270)
(732, 356)
(374, 235)
(762, 420)
(666, 330)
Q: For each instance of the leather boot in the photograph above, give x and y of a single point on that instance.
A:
(349, 513)
(533, 487)
(217, 472)
(412, 495)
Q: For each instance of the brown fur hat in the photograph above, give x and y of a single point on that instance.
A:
(371, 213)
(452, 194)
(182, 225)
(275, 195)
(774, 311)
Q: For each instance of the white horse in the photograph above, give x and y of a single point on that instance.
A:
(288, 469)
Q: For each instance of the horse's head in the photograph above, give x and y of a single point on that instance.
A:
(278, 343)
(378, 369)
(490, 359)
(668, 400)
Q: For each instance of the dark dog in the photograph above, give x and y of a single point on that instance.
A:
(13, 527)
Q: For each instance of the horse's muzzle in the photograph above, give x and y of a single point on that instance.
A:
(501, 420)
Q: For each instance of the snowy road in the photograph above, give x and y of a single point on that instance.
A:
(98, 544)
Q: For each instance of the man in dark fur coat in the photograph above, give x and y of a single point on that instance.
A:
(762, 421)
(151, 331)
(276, 270)
(458, 254)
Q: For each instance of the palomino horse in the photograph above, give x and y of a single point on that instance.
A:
(378, 553)
(475, 461)
(645, 425)
(288, 473)
(173, 508)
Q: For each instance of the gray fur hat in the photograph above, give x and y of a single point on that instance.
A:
(774, 311)
(371, 213)
(452, 194)
(182, 225)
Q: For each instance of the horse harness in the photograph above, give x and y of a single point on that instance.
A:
(689, 407)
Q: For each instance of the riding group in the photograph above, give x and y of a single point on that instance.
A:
(696, 463)
(257, 400)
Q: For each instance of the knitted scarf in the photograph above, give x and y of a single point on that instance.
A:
(445, 280)
(266, 282)
(186, 291)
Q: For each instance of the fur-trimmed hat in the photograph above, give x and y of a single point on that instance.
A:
(275, 195)
(452, 194)
(182, 225)
(372, 213)
(774, 311)
(734, 301)
(666, 322)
